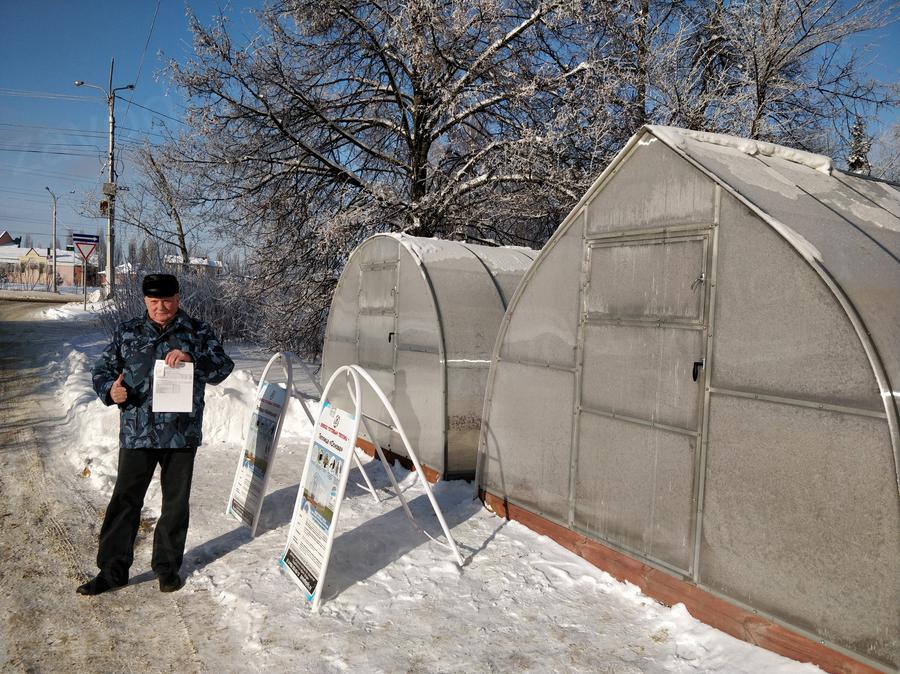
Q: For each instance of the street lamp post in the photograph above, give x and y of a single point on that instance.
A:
(109, 189)
(53, 239)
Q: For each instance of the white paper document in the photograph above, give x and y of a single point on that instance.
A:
(173, 387)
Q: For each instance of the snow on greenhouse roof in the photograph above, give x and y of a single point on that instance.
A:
(676, 136)
(845, 225)
(784, 183)
(498, 258)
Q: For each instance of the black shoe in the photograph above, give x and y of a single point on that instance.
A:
(170, 582)
(97, 585)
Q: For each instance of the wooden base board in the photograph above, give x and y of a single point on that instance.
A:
(670, 590)
(430, 474)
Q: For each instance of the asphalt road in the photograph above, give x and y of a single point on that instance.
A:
(37, 297)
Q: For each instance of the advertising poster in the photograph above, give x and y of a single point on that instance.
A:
(313, 524)
(252, 473)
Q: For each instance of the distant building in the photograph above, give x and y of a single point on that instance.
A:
(7, 240)
(173, 263)
(197, 264)
(33, 267)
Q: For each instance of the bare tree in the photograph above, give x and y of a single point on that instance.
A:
(776, 70)
(486, 119)
(30, 273)
(483, 119)
(886, 154)
(160, 205)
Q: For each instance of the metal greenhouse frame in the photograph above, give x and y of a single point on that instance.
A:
(715, 325)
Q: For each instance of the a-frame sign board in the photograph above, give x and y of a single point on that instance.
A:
(319, 497)
(324, 481)
(257, 457)
(258, 454)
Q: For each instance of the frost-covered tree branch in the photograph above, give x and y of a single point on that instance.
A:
(344, 118)
(485, 119)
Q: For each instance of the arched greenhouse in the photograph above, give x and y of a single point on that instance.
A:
(696, 385)
(421, 315)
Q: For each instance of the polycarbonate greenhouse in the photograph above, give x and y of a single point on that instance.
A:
(421, 315)
(699, 374)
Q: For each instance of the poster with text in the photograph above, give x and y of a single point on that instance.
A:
(252, 473)
(324, 475)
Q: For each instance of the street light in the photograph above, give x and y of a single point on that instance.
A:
(53, 239)
(109, 189)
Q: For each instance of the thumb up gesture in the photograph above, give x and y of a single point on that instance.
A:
(118, 392)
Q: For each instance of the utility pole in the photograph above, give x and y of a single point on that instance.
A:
(109, 188)
(53, 239)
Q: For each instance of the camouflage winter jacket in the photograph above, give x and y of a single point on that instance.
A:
(136, 346)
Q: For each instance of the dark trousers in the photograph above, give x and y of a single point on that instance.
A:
(123, 515)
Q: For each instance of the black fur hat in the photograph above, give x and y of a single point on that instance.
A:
(160, 285)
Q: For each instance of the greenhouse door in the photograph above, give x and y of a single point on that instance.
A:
(642, 344)
(376, 343)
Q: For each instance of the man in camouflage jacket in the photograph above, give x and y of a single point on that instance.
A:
(124, 376)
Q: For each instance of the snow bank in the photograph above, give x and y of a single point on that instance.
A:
(74, 311)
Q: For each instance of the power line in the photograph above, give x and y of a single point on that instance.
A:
(79, 132)
(58, 176)
(68, 154)
(127, 138)
(155, 112)
(89, 132)
(13, 208)
(25, 200)
(50, 174)
(67, 145)
(29, 215)
(41, 194)
(146, 133)
(75, 97)
(143, 54)
(127, 146)
(33, 221)
(25, 192)
(45, 94)
(46, 138)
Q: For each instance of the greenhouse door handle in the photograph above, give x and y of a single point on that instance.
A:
(391, 336)
(698, 364)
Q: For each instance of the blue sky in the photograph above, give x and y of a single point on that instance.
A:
(53, 134)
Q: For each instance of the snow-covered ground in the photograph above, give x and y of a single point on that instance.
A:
(394, 600)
